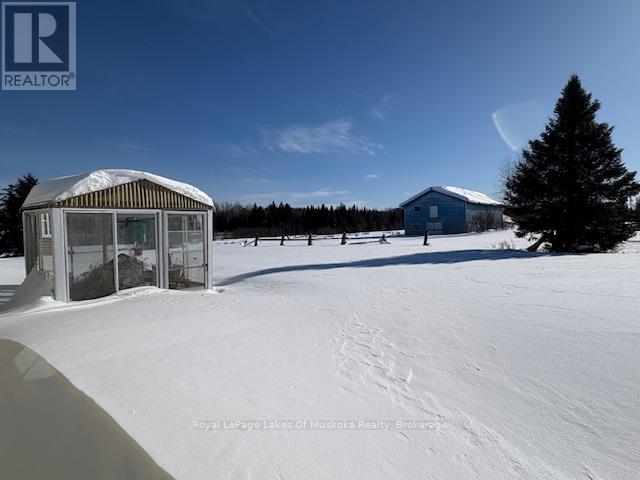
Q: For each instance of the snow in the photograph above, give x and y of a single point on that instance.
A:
(467, 195)
(36, 288)
(13, 270)
(520, 365)
(60, 189)
(11, 276)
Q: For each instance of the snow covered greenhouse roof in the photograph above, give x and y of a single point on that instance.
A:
(457, 192)
(63, 188)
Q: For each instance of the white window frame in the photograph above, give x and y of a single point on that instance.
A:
(45, 225)
(433, 211)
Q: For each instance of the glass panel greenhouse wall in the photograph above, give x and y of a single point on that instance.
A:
(137, 250)
(38, 248)
(90, 255)
(30, 227)
(186, 250)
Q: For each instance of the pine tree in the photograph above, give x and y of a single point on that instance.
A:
(571, 187)
(11, 201)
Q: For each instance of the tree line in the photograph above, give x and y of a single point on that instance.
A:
(235, 220)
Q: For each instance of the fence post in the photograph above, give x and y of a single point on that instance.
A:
(255, 242)
(426, 237)
(344, 238)
(310, 242)
(282, 240)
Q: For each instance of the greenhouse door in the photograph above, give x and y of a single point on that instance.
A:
(137, 254)
(90, 253)
(186, 250)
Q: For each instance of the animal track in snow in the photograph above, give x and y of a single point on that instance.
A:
(365, 355)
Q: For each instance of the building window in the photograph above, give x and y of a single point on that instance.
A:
(45, 226)
(416, 208)
(433, 211)
(415, 227)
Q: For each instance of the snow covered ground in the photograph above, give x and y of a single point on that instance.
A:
(501, 364)
(11, 276)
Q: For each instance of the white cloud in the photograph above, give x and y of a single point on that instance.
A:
(252, 179)
(380, 110)
(321, 193)
(134, 146)
(243, 150)
(299, 198)
(251, 175)
(262, 196)
(332, 137)
(14, 130)
(371, 176)
(257, 18)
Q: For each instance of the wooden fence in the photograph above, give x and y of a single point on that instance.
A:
(343, 239)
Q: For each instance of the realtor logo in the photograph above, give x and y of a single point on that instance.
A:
(38, 46)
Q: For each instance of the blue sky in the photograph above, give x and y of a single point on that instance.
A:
(326, 101)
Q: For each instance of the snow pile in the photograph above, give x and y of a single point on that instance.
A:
(531, 361)
(60, 189)
(36, 288)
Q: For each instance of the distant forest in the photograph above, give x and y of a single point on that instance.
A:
(235, 220)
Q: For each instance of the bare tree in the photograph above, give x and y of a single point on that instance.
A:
(505, 171)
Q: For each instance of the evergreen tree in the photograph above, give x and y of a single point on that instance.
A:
(11, 200)
(636, 215)
(571, 186)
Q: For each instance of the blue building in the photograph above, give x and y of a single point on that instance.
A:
(444, 210)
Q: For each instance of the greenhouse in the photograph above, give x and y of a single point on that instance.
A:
(95, 234)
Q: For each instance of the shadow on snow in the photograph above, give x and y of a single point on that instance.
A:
(435, 258)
